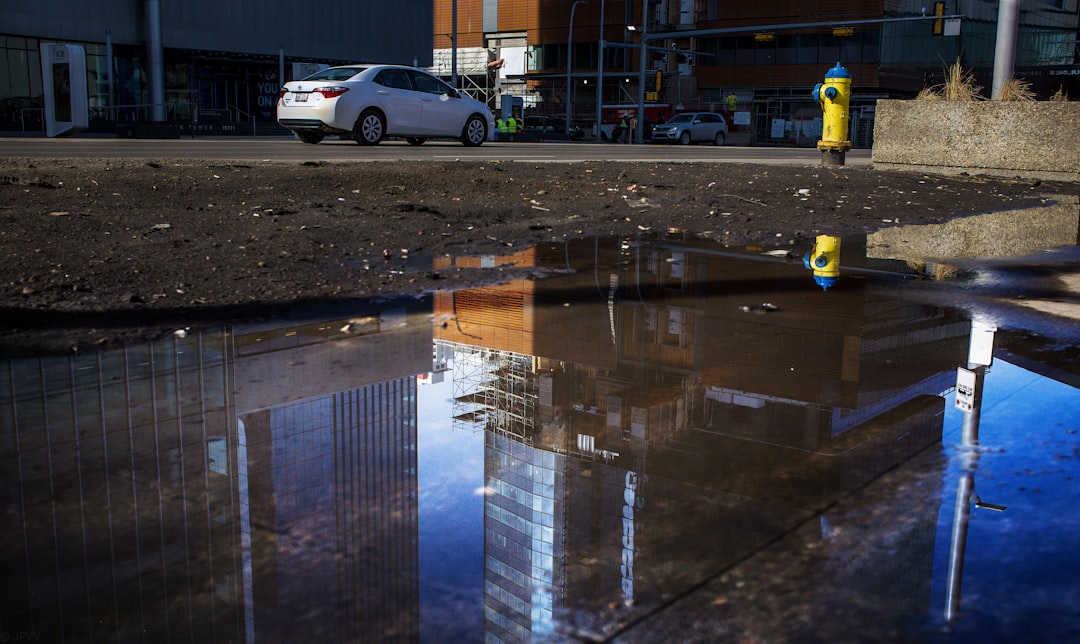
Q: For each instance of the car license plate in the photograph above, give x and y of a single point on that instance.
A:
(300, 98)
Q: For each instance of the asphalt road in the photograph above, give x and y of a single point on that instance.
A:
(288, 149)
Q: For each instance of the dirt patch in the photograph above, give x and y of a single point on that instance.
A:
(97, 252)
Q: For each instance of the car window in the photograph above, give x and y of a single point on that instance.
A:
(335, 74)
(709, 118)
(681, 118)
(394, 79)
(430, 84)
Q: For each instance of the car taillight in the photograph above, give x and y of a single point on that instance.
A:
(331, 92)
(281, 93)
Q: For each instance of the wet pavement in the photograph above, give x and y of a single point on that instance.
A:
(636, 440)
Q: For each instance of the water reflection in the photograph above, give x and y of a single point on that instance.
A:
(232, 484)
(677, 405)
(678, 441)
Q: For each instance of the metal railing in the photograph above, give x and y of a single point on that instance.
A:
(238, 112)
(142, 112)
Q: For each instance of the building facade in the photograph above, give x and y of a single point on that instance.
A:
(768, 55)
(227, 60)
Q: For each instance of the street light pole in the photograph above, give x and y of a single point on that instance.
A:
(640, 129)
(453, 44)
(569, 62)
(600, 76)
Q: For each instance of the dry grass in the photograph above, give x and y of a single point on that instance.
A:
(960, 84)
(1060, 95)
(929, 94)
(1016, 89)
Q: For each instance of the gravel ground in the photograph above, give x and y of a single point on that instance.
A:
(100, 251)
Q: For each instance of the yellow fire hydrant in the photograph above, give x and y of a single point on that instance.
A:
(834, 96)
(824, 260)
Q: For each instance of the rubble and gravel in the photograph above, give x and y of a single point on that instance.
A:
(101, 251)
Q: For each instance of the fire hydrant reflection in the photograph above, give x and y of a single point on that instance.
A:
(824, 260)
(834, 96)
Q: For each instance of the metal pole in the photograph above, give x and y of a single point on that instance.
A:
(639, 130)
(569, 62)
(109, 74)
(453, 44)
(1005, 49)
(156, 60)
(600, 76)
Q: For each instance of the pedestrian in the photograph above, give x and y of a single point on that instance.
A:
(624, 130)
(512, 125)
(633, 127)
(500, 124)
(732, 102)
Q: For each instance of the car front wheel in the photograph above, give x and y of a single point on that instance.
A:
(719, 140)
(369, 128)
(684, 138)
(474, 132)
(310, 137)
(415, 140)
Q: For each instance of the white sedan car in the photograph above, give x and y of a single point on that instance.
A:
(370, 102)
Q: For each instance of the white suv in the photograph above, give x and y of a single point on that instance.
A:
(692, 127)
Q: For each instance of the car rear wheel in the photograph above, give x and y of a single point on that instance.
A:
(369, 128)
(308, 136)
(684, 138)
(719, 140)
(474, 132)
(415, 140)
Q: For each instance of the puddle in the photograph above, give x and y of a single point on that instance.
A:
(640, 441)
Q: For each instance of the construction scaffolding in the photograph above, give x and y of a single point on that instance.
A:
(494, 390)
(474, 69)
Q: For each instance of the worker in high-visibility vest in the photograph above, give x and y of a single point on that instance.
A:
(512, 126)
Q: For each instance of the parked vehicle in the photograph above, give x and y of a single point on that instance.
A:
(611, 115)
(692, 127)
(552, 128)
(371, 102)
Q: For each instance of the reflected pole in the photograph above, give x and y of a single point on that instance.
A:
(600, 75)
(570, 60)
(969, 394)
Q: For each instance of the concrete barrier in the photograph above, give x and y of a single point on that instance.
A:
(1034, 139)
(1012, 233)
